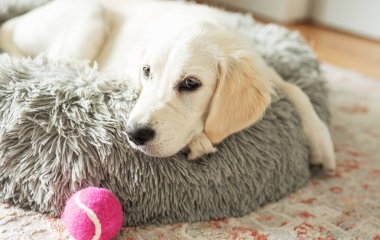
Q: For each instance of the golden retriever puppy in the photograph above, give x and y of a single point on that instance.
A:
(200, 79)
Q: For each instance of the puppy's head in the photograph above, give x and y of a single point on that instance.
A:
(205, 79)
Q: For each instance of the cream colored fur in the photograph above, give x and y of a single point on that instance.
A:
(177, 40)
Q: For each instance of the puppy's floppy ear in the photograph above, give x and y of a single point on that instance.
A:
(242, 94)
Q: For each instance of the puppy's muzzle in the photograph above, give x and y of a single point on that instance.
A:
(140, 134)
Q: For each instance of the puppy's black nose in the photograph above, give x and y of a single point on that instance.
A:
(140, 135)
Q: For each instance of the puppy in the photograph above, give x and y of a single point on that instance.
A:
(200, 79)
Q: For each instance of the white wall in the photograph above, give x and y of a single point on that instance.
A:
(361, 17)
(278, 10)
(356, 16)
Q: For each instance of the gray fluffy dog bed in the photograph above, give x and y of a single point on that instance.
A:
(63, 128)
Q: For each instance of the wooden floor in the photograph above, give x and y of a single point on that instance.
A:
(335, 47)
(342, 49)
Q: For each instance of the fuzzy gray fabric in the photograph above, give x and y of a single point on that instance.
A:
(63, 128)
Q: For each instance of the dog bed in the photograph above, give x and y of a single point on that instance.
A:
(63, 128)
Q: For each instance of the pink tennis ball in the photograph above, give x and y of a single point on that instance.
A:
(93, 213)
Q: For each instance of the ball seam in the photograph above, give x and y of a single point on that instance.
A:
(91, 215)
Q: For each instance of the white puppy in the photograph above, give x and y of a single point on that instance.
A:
(200, 80)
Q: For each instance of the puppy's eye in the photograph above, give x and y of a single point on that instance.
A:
(146, 71)
(189, 84)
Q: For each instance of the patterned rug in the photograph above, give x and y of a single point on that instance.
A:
(343, 206)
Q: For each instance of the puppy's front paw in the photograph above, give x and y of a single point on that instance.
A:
(199, 146)
(321, 146)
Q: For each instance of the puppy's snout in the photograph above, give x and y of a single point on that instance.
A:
(140, 134)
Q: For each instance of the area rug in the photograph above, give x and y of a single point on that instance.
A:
(343, 206)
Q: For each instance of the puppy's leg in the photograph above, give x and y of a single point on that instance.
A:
(199, 146)
(6, 39)
(316, 131)
(60, 29)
